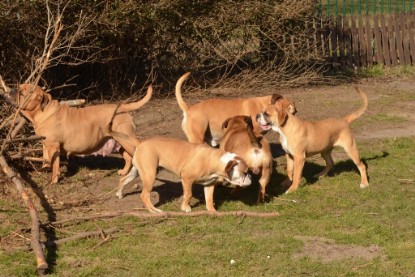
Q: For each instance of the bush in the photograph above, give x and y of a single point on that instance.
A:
(126, 43)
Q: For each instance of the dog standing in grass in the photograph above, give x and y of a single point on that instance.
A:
(240, 138)
(300, 139)
(203, 121)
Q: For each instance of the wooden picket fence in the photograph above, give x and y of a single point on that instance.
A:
(365, 40)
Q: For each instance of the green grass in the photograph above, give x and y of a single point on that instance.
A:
(332, 208)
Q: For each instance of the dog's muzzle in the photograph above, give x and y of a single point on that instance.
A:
(12, 96)
(245, 181)
(263, 122)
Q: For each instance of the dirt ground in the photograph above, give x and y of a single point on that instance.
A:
(88, 184)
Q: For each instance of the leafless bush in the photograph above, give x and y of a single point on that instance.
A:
(129, 41)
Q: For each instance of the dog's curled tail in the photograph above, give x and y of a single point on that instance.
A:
(183, 106)
(353, 116)
(123, 108)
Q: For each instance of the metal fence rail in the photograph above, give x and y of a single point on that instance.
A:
(364, 7)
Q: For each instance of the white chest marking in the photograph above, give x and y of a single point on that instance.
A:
(283, 139)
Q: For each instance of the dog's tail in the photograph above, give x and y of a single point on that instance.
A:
(183, 106)
(123, 108)
(355, 115)
(132, 140)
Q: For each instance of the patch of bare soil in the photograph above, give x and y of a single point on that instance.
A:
(327, 250)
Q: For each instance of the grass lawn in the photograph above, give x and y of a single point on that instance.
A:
(329, 227)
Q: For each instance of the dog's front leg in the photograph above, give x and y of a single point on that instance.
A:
(298, 170)
(209, 197)
(187, 194)
(46, 164)
(54, 155)
(290, 169)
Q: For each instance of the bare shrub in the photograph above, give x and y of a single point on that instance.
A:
(128, 42)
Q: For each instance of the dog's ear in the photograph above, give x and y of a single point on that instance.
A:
(291, 108)
(282, 117)
(248, 121)
(275, 97)
(230, 165)
(225, 123)
(45, 101)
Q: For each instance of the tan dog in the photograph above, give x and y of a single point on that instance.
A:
(203, 121)
(239, 138)
(301, 139)
(72, 131)
(194, 163)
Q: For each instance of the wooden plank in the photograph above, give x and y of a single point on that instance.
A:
(411, 33)
(355, 42)
(385, 41)
(362, 43)
(369, 41)
(340, 35)
(392, 40)
(398, 39)
(326, 40)
(347, 35)
(405, 39)
(378, 39)
(333, 40)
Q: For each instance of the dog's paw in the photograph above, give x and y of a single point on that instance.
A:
(186, 209)
(119, 194)
(362, 186)
(122, 172)
(155, 210)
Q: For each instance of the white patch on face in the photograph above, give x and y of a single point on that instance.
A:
(236, 177)
(227, 157)
(261, 120)
(283, 139)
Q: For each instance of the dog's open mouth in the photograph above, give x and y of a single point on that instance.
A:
(265, 127)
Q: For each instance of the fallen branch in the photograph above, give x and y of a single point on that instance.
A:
(22, 121)
(34, 137)
(73, 103)
(406, 181)
(82, 235)
(166, 215)
(36, 246)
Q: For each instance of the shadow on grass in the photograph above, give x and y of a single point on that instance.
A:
(311, 169)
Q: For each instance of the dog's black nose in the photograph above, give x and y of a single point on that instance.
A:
(258, 116)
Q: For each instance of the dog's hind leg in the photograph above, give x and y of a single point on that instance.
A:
(351, 151)
(128, 162)
(125, 180)
(329, 164)
(148, 177)
(263, 182)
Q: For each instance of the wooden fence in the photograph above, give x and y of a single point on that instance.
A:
(365, 40)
